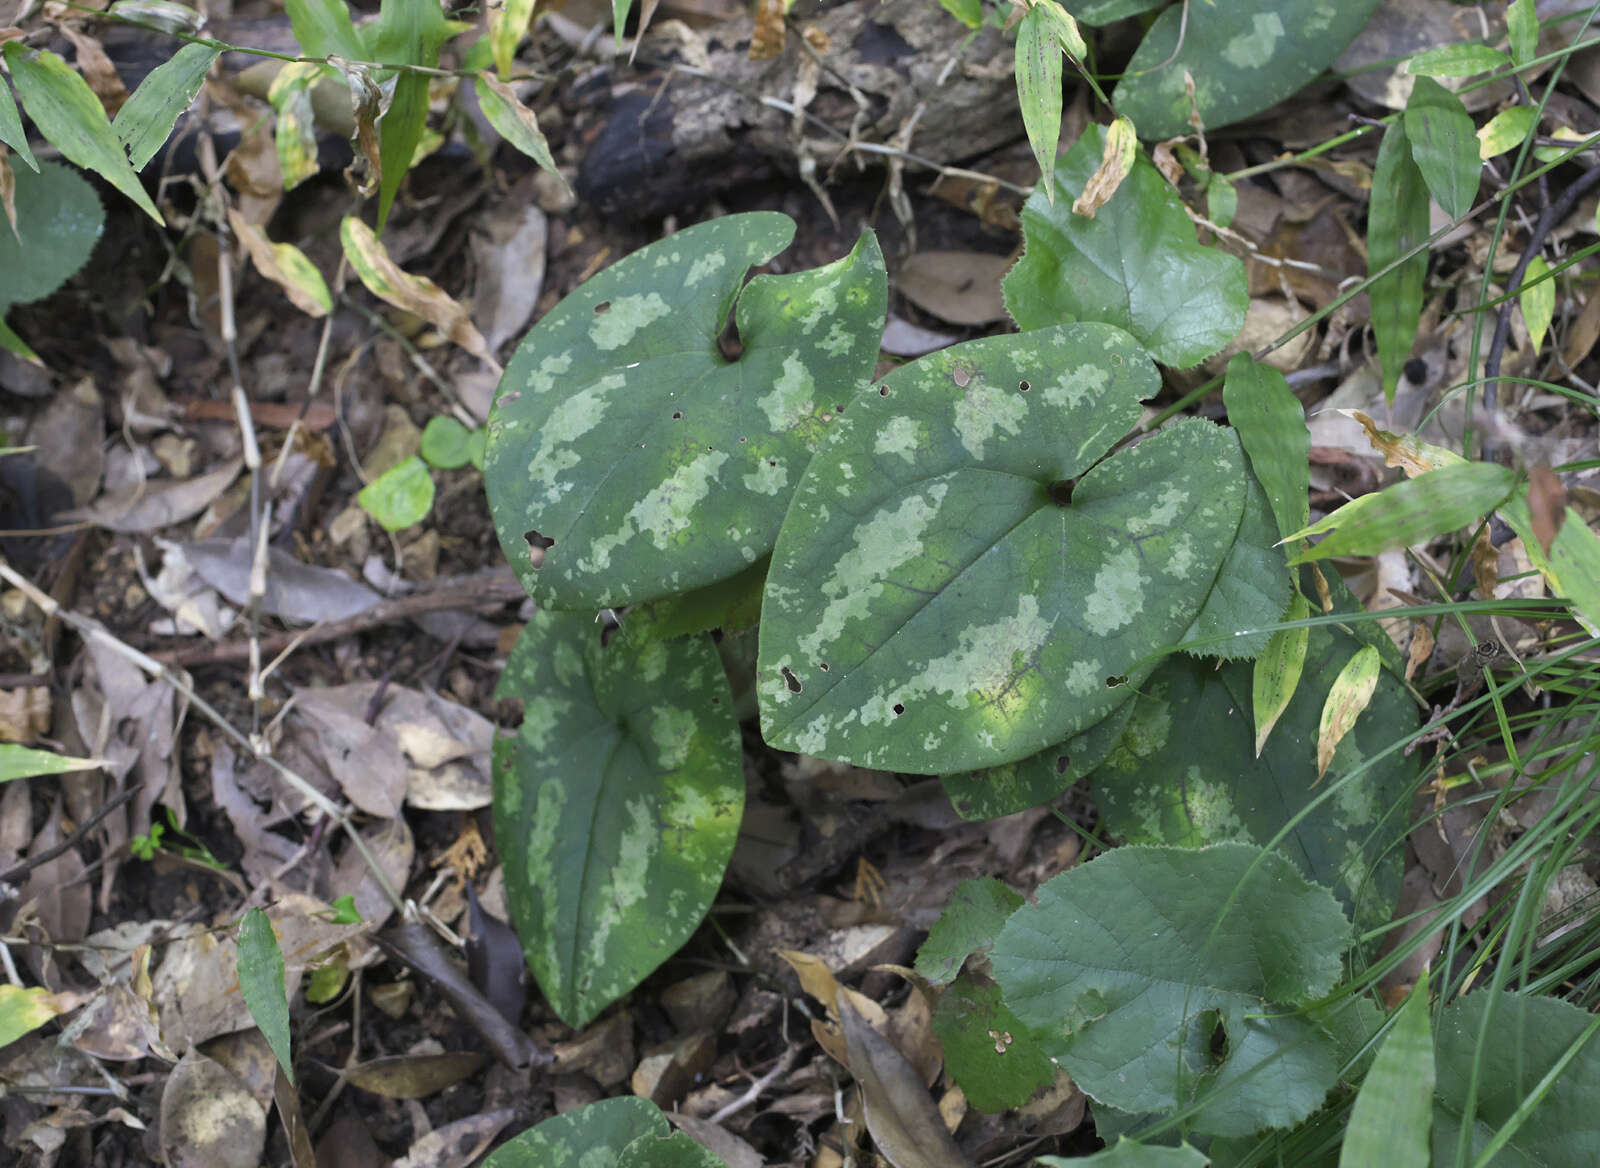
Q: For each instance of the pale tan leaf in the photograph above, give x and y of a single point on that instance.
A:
(150, 506)
(1116, 160)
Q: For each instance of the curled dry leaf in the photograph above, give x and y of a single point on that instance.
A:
(1116, 160)
(901, 1115)
(286, 266)
(296, 591)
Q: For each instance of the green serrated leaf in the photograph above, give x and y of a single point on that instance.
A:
(145, 121)
(971, 921)
(1272, 426)
(1159, 978)
(1393, 1112)
(967, 600)
(617, 803)
(1126, 1153)
(1457, 61)
(1277, 671)
(623, 384)
(994, 791)
(988, 1051)
(1409, 512)
(1397, 221)
(1537, 300)
(59, 220)
(1522, 23)
(1444, 145)
(401, 496)
(1507, 130)
(69, 114)
(1038, 69)
(585, 1137)
(324, 29)
(23, 762)
(1186, 773)
(1244, 56)
(11, 131)
(1550, 1125)
(1136, 264)
(261, 984)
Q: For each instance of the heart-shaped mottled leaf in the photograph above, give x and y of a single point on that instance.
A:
(1159, 978)
(641, 458)
(957, 579)
(1252, 586)
(616, 804)
(594, 1134)
(1244, 56)
(1186, 772)
(1136, 264)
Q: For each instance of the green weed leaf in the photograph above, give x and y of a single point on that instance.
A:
(1409, 512)
(145, 121)
(1347, 700)
(59, 220)
(972, 919)
(447, 444)
(23, 1010)
(616, 804)
(998, 1063)
(968, 12)
(1038, 70)
(1507, 130)
(1251, 587)
(1397, 221)
(1522, 22)
(69, 114)
(1457, 61)
(1573, 564)
(1126, 1153)
(594, 1134)
(1136, 264)
(401, 496)
(261, 983)
(1272, 426)
(399, 131)
(943, 588)
(514, 121)
(324, 29)
(1243, 56)
(23, 762)
(1444, 145)
(1537, 300)
(1094, 13)
(1160, 977)
(1393, 1113)
(1527, 1038)
(11, 131)
(1186, 773)
(654, 462)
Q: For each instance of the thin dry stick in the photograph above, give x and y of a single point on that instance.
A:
(93, 630)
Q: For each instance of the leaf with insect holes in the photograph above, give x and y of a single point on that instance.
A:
(1136, 264)
(1243, 56)
(648, 449)
(616, 804)
(959, 572)
(145, 121)
(1161, 978)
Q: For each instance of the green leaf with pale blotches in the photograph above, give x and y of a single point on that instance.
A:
(25, 1009)
(1507, 130)
(586, 1137)
(1186, 773)
(296, 131)
(656, 459)
(1161, 978)
(1136, 264)
(1244, 56)
(960, 573)
(616, 804)
(401, 496)
(59, 220)
(1276, 674)
(1251, 588)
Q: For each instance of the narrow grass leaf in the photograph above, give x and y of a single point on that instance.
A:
(1444, 146)
(69, 114)
(399, 131)
(1537, 301)
(145, 121)
(1038, 66)
(1507, 130)
(508, 24)
(1397, 221)
(1409, 512)
(1393, 1112)
(1277, 671)
(23, 762)
(11, 131)
(1522, 23)
(1272, 425)
(1351, 692)
(324, 29)
(261, 983)
(515, 122)
(1457, 61)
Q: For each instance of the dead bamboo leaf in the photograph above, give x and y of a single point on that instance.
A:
(1116, 161)
(408, 1076)
(1351, 692)
(151, 506)
(286, 266)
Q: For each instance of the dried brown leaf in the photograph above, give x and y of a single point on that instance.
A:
(962, 287)
(151, 506)
(407, 1076)
(209, 1119)
(901, 1115)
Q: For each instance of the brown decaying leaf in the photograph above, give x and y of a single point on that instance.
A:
(209, 1119)
(962, 287)
(151, 506)
(8, 188)
(1547, 502)
(495, 960)
(97, 69)
(407, 1076)
(901, 1115)
(769, 34)
(458, 1144)
(1420, 649)
(24, 713)
(508, 253)
(296, 591)
(1116, 160)
(266, 261)
(294, 1124)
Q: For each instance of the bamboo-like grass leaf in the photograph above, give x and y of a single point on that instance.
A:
(261, 983)
(1348, 697)
(1397, 221)
(1393, 1113)
(1038, 68)
(145, 121)
(1444, 145)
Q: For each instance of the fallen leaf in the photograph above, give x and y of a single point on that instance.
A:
(406, 1076)
(962, 287)
(286, 266)
(901, 1115)
(296, 591)
(151, 506)
(209, 1119)
(458, 1144)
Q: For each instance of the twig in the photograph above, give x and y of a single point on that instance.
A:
(13, 875)
(754, 1091)
(93, 630)
(494, 586)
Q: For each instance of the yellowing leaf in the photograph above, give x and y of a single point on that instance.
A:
(1537, 300)
(417, 295)
(1277, 671)
(1116, 160)
(23, 1010)
(296, 133)
(1506, 130)
(1351, 692)
(285, 265)
(1406, 451)
(508, 23)
(515, 122)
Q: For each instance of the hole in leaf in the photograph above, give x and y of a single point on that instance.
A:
(1062, 763)
(1218, 1039)
(677, 415)
(961, 375)
(838, 409)
(898, 709)
(883, 391)
(1416, 371)
(822, 665)
(728, 342)
(1115, 680)
(1060, 492)
(603, 306)
(770, 461)
(790, 680)
(537, 544)
(1024, 386)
